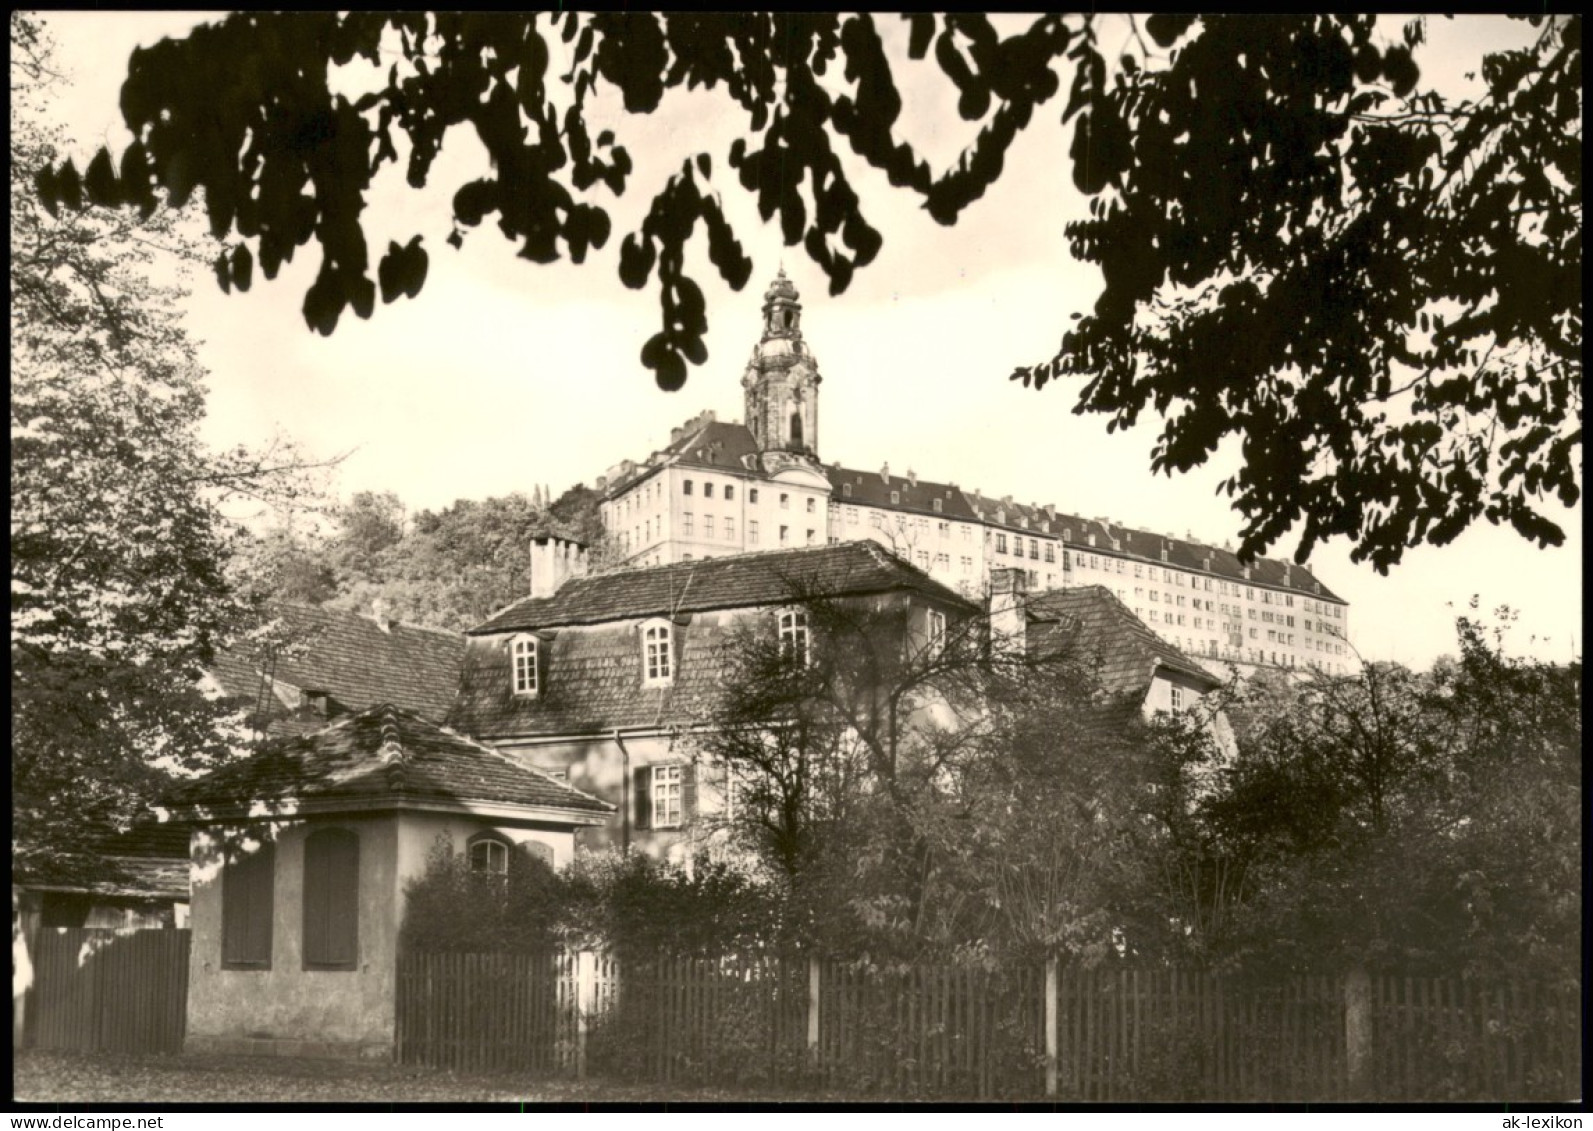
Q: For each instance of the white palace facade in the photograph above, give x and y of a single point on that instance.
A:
(727, 488)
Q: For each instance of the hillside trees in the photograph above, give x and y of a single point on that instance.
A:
(450, 568)
(1372, 287)
(118, 546)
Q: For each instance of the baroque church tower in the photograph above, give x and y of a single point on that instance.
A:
(781, 383)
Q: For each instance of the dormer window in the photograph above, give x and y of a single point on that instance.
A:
(896, 498)
(936, 505)
(846, 490)
(523, 664)
(794, 639)
(1067, 535)
(657, 654)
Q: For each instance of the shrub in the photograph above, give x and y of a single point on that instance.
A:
(451, 908)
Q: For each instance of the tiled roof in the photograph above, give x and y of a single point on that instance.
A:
(873, 488)
(717, 444)
(1091, 624)
(352, 659)
(733, 581)
(149, 860)
(703, 443)
(384, 753)
(591, 681)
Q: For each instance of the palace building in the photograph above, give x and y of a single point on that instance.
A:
(723, 488)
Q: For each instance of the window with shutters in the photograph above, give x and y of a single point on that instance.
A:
(331, 899)
(666, 795)
(247, 883)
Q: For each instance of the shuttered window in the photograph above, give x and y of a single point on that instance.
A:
(666, 795)
(246, 886)
(331, 900)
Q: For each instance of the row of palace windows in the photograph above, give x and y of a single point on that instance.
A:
(657, 655)
(331, 898)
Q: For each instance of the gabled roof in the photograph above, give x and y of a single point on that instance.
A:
(734, 581)
(351, 658)
(1090, 623)
(383, 757)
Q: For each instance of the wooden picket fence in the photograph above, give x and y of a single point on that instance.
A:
(1115, 1033)
(487, 1012)
(104, 990)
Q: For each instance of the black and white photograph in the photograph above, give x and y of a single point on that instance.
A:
(622, 558)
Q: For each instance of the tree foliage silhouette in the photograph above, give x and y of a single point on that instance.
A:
(1375, 290)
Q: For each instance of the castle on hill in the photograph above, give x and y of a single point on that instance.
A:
(723, 488)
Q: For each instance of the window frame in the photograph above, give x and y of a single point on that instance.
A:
(792, 628)
(518, 647)
(935, 631)
(657, 639)
(664, 775)
(488, 839)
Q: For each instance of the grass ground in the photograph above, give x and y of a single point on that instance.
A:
(40, 1077)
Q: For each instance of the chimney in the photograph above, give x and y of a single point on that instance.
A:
(379, 615)
(554, 560)
(912, 477)
(885, 473)
(1007, 616)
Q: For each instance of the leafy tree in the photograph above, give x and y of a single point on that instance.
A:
(118, 548)
(1375, 290)
(961, 798)
(1418, 819)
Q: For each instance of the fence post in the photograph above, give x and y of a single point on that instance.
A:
(584, 993)
(1358, 1030)
(1050, 1026)
(813, 1009)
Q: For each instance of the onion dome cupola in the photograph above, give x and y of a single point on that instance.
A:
(781, 383)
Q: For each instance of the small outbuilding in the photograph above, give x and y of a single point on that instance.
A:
(300, 856)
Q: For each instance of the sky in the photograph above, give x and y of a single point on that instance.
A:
(504, 375)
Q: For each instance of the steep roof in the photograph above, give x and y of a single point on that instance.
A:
(734, 581)
(354, 660)
(1091, 623)
(384, 756)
